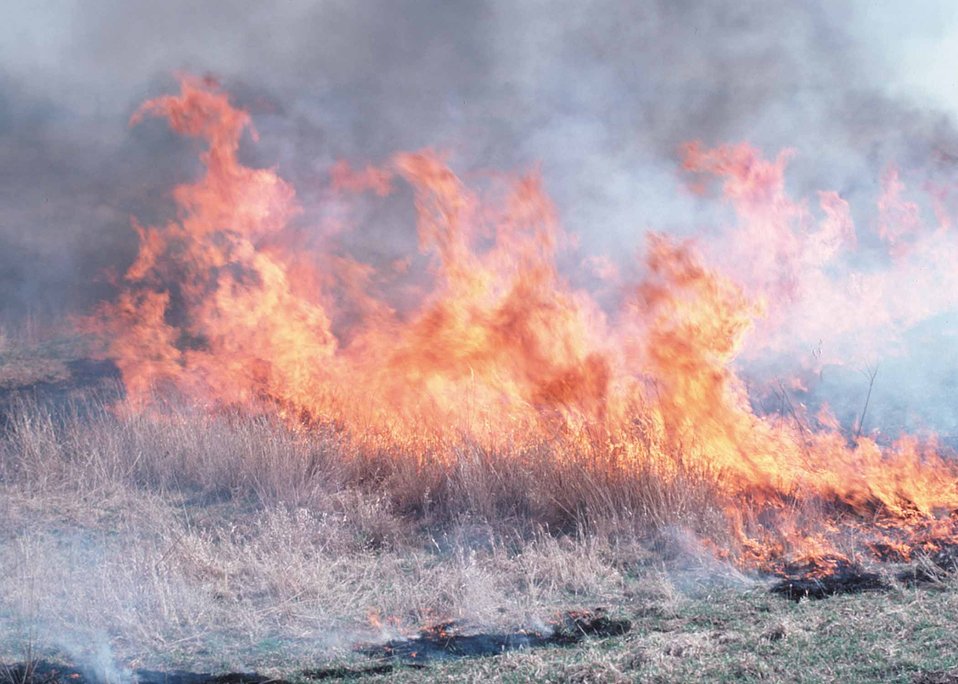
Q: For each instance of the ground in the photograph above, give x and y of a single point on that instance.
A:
(233, 544)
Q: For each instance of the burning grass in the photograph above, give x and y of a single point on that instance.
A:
(232, 543)
(305, 451)
(484, 382)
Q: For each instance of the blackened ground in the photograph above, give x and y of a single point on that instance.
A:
(440, 642)
(44, 672)
(449, 640)
(843, 577)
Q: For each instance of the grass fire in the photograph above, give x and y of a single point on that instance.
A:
(379, 397)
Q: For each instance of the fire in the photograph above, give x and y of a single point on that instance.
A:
(230, 305)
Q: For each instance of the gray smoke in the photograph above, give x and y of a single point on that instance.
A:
(599, 93)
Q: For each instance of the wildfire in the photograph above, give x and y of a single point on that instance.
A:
(231, 306)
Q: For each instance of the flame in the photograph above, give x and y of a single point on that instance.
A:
(230, 306)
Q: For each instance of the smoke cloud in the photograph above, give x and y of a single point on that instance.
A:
(600, 95)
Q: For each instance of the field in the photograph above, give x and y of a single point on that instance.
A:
(234, 543)
(478, 341)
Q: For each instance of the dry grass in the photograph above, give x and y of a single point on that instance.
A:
(236, 543)
(260, 461)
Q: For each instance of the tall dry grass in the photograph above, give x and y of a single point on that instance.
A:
(89, 448)
(202, 540)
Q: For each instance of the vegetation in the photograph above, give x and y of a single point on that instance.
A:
(234, 543)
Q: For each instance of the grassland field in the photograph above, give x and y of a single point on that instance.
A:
(234, 543)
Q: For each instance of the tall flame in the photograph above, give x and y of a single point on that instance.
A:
(226, 306)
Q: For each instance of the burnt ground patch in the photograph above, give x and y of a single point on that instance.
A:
(46, 672)
(452, 640)
(442, 642)
(840, 577)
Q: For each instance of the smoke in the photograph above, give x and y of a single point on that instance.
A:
(600, 95)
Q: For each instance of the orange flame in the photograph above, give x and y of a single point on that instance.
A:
(223, 306)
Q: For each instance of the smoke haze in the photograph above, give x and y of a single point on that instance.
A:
(600, 95)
